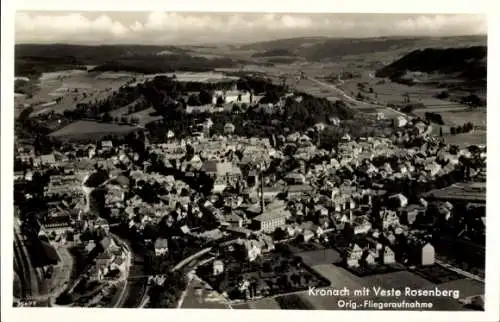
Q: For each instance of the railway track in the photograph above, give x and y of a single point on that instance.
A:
(23, 270)
(27, 274)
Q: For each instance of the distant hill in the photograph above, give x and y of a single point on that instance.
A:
(33, 59)
(325, 48)
(289, 44)
(274, 53)
(468, 63)
(90, 54)
(164, 64)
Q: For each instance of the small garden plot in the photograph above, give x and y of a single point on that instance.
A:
(466, 139)
(437, 274)
(320, 257)
(293, 302)
(301, 246)
(89, 129)
(368, 270)
(272, 274)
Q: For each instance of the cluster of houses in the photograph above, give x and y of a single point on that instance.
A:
(311, 192)
(109, 259)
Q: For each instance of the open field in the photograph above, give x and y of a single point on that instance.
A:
(387, 92)
(466, 139)
(146, 116)
(308, 86)
(456, 116)
(122, 111)
(73, 87)
(86, 129)
(203, 77)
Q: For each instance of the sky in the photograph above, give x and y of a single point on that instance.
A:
(170, 28)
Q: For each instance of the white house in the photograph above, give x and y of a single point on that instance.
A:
(388, 256)
(369, 258)
(229, 128)
(253, 249)
(428, 255)
(390, 219)
(400, 200)
(400, 121)
(218, 267)
(308, 235)
(353, 255)
(363, 228)
(235, 96)
(334, 121)
(161, 246)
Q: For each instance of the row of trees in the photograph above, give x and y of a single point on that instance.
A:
(466, 128)
(107, 118)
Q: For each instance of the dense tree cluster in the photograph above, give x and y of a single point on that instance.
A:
(434, 117)
(469, 61)
(34, 66)
(467, 127)
(409, 108)
(153, 64)
(443, 95)
(473, 100)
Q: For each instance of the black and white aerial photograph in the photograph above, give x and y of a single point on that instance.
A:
(249, 161)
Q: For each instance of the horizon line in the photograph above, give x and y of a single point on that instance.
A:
(86, 44)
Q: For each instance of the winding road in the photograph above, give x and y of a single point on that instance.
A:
(351, 99)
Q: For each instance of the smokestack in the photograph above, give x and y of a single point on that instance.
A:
(351, 217)
(262, 205)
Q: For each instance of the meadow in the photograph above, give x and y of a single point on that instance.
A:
(61, 91)
(90, 130)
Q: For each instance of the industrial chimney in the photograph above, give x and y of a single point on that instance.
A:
(261, 177)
